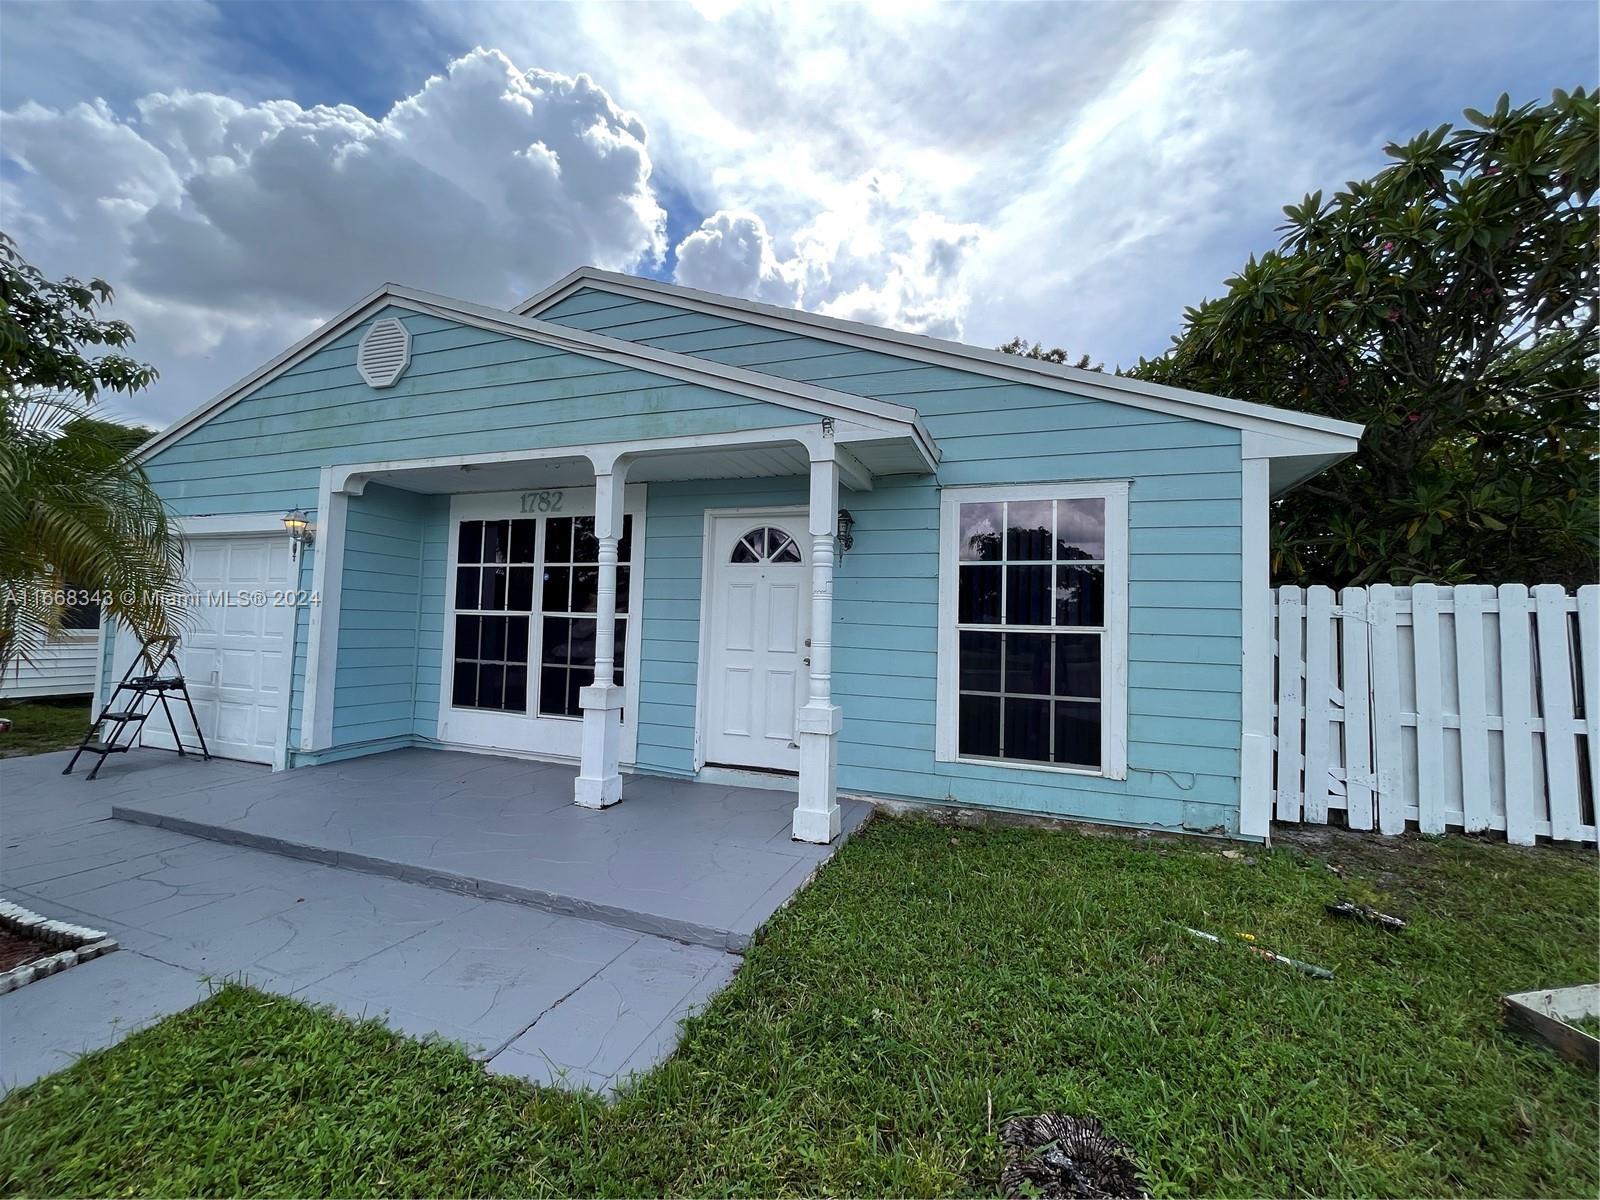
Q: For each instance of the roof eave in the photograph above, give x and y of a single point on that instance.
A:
(875, 413)
(1200, 406)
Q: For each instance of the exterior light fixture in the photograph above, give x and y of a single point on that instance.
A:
(846, 524)
(298, 527)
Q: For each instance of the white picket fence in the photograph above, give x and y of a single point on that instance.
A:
(1440, 709)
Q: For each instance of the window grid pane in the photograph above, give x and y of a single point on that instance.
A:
(568, 599)
(496, 583)
(493, 598)
(1030, 624)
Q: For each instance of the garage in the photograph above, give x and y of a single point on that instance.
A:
(237, 649)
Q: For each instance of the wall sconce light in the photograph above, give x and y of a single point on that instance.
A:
(298, 526)
(846, 524)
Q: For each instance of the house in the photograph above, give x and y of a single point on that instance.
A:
(648, 529)
(58, 664)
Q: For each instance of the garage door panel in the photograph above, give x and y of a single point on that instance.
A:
(247, 564)
(239, 668)
(240, 621)
(235, 723)
(208, 564)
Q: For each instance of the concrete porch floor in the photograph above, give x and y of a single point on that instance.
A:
(695, 863)
(545, 995)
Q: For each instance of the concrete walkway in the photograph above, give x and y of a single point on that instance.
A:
(539, 994)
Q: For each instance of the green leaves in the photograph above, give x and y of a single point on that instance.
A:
(44, 325)
(75, 509)
(1447, 304)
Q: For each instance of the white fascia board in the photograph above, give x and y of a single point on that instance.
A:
(890, 418)
(1199, 406)
(1294, 458)
(231, 523)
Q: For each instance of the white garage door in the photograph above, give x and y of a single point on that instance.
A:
(235, 654)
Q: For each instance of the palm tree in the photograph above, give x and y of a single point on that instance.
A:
(76, 508)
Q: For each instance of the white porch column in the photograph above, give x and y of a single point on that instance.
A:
(599, 782)
(1255, 743)
(816, 813)
(322, 630)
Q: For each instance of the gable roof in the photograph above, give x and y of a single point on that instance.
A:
(878, 414)
(1334, 437)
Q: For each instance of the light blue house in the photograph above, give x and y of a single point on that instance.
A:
(792, 550)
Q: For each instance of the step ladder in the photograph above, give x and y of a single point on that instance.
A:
(116, 730)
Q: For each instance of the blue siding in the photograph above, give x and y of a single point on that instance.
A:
(1184, 640)
(378, 673)
(466, 391)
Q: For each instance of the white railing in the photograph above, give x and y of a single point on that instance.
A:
(1441, 709)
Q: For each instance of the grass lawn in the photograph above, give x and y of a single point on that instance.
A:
(39, 726)
(930, 983)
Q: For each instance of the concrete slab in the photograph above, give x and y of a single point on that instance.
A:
(696, 863)
(48, 1025)
(624, 1019)
(538, 994)
(480, 978)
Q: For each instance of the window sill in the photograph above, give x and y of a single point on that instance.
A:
(1046, 768)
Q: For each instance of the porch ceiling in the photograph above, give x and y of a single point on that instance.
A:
(890, 456)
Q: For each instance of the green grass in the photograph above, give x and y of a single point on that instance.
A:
(930, 983)
(40, 726)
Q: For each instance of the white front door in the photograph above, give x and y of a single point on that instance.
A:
(757, 625)
(235, 652)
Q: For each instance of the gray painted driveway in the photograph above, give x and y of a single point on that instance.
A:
(539, 994)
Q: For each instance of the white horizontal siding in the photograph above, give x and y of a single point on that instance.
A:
(58, 669)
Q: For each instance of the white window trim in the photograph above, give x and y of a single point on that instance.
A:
(1114, 661)
(489, 728)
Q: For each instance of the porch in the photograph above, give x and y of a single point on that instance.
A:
(692, 862)
(492, 602)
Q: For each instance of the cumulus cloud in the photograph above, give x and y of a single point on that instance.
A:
(732, 253)
(873, 256)
(216, 216)
(1076, 173)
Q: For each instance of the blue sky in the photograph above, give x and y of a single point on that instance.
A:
(1076, 173)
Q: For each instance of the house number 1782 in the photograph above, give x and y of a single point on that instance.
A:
(541, 502)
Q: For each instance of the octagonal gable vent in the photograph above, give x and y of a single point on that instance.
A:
(384, 353)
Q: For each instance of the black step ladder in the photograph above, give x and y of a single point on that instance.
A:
(134, 702)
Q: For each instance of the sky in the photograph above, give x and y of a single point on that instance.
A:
(1075, 173)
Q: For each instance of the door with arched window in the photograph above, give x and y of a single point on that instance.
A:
(757, 623)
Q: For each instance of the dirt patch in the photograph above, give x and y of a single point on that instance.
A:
(1408, 865)
(16, 949)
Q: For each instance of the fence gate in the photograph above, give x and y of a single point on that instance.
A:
(1439, 708)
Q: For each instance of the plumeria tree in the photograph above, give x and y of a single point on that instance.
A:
(1448, 304)
(77, 512)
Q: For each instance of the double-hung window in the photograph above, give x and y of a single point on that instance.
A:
(1033, 627)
